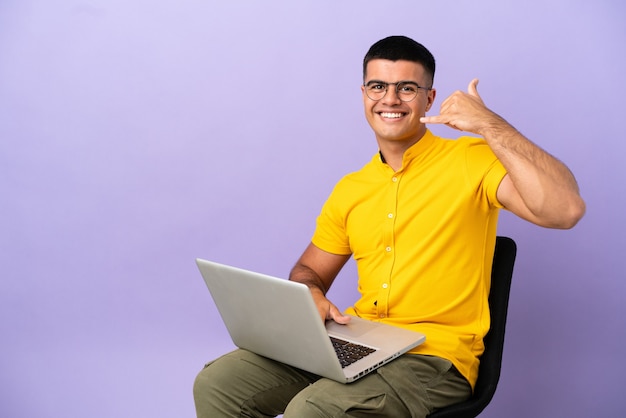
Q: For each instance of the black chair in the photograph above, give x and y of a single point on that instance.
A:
(491, 360)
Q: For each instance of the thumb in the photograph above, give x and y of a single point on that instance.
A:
(336, 315)
(471, 89)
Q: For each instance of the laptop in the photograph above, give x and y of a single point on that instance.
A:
(277, 318)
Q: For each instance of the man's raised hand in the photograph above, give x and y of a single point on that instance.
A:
(464, 111)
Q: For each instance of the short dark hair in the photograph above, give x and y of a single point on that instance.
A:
(395, 48)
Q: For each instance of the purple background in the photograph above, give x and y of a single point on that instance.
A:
(136, 135)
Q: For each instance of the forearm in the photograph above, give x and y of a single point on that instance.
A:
(304, 274)
(317, 270)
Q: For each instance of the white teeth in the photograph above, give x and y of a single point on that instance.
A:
(391, 115)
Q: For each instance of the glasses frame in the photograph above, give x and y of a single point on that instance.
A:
(397, 85)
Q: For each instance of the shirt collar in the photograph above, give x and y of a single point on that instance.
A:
(415, 150)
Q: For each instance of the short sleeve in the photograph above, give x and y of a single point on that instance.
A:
(485, 169)
(330, 232)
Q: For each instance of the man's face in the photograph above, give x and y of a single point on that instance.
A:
(391, 118)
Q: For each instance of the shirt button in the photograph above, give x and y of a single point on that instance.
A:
(382, 315)
(394, 179)
(385, 285)
(390, 215)
(388, 249)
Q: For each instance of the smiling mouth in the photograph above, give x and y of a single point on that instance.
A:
(391, 115)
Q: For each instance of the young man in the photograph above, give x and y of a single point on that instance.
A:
(420, 220)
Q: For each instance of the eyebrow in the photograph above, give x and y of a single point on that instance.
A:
(397, 82)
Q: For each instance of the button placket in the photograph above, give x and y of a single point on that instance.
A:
(388, 246)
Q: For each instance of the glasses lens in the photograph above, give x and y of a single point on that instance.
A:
(407, 91)
(375, 90)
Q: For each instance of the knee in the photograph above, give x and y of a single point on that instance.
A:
(203, 383)
(217, 375)
(302, 406)
(204, 388)
(211, 390)
(313, 402)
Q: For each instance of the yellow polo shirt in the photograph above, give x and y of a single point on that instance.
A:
(423, 239)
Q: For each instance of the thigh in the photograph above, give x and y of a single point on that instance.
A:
(426, 383)
(410, 386)
(244, 384)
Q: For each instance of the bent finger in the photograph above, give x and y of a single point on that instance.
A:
(433, 119)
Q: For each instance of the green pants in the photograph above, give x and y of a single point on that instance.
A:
(243, 384)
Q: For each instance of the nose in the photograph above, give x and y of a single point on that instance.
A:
(391, 96)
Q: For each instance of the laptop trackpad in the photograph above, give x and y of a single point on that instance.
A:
(354, 328)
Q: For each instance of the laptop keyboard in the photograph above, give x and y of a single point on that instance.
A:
(348, 352)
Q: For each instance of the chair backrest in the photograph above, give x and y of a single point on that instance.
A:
(491, 360)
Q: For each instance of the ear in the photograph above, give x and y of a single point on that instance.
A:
(431, 98)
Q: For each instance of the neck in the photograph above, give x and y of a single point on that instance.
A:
(393, 151)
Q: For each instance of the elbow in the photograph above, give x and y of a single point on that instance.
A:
(574, 213)
(565, 216)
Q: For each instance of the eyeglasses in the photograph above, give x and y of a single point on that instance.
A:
(405, 90)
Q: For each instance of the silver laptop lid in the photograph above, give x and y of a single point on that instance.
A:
(289, 331)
